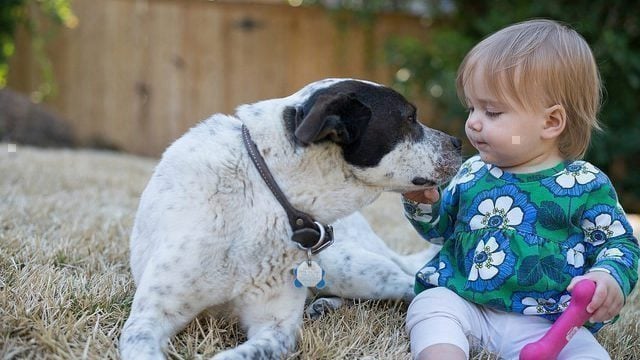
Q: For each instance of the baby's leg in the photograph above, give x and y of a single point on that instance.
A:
(439, 320)
(583, 346)
(510, 332)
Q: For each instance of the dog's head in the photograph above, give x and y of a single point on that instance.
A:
(379, 133)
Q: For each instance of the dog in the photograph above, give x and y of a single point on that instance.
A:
(211, 233)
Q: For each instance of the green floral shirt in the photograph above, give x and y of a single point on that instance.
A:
(514, 241)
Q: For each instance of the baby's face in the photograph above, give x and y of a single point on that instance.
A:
(506, 135)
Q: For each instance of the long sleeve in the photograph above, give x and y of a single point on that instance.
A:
(434, 222)
(613, 246)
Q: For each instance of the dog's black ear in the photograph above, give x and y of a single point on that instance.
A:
(340, 118)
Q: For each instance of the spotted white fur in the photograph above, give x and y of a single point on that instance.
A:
(209, 234)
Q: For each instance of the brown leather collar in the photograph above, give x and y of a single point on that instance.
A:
(307, 233)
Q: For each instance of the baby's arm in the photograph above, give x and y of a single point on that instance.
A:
(613, 256)
(430, 214)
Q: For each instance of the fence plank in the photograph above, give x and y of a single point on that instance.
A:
(136, 74)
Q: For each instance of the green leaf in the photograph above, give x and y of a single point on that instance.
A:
(530, 271)
(551, 216)
(552, 267)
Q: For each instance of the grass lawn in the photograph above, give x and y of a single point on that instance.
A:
(66, 290)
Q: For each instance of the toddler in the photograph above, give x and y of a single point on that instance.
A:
(525, 219)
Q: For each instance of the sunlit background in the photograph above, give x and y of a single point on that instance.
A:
(133, 75)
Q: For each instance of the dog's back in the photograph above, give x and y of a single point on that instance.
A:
(200, 181)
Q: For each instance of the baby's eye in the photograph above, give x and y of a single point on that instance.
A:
(492, 114)
(470, 109)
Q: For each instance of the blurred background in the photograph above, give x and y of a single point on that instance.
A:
(133, 75)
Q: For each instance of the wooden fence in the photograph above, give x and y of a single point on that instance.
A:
(137, 73)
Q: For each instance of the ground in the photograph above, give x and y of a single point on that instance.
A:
(66, 289)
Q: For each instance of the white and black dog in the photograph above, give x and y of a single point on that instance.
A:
(210, 233)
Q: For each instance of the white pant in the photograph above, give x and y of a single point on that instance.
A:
(439, 316)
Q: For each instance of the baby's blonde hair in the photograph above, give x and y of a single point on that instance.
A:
(541, 62)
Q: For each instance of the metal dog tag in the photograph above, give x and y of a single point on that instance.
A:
(309, 274)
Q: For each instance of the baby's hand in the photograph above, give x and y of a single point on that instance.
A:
(427, 196)
(608, 299)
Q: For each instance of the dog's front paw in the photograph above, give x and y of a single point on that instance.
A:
(323, 305)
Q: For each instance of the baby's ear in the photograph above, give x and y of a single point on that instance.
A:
(554, 122)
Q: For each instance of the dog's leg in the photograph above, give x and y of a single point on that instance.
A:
(149, 326)
(413, 262)
(158, 311)
(361, 274)
(355, 273)
(361, 266)
(272, 320)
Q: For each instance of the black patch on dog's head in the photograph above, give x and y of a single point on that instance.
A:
(366, 120)
(339, 117)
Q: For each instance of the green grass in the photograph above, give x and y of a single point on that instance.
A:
(66, 290)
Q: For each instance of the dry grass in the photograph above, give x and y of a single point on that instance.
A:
(65, 288)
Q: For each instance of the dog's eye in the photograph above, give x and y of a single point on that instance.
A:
(412, 118)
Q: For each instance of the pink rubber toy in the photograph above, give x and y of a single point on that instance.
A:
(550, 345)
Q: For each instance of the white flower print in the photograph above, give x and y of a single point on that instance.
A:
(613, 253)
(605, 227)
(496, 214)
(419, 212)
(535, 306)
(575, 256)
(486, 260)
(425, 217)
(466, 173)
(468, 170)
(579, 172)
(431, 275)
(496, 171)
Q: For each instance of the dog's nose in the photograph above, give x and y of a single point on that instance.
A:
(419, 181)
(457, 143)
